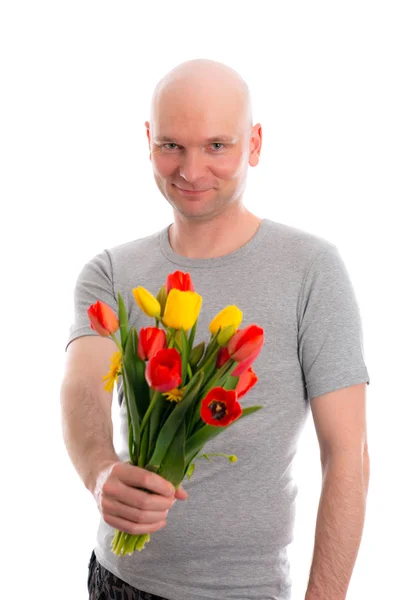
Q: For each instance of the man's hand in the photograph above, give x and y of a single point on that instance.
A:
(123, 500)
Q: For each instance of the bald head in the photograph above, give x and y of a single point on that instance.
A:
(201, 138)
(204, 85)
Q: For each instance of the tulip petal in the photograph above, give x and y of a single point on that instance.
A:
(103, 319)
(229, 316)
(182, 309)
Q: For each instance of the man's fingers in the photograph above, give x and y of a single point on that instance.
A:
(135, 515)
(141, 478)
(132, 528)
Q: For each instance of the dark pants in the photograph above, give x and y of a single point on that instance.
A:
(104, 585)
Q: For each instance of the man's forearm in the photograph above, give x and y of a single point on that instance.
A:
(87, 431)
(340, 522)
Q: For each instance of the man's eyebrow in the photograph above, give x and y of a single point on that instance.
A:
(216, 138)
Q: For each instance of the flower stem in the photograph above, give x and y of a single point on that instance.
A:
(114, 337)
(121, 542)
(148, 411)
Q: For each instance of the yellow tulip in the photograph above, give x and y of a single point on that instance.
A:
(182, 309)
(228, 316)
(147, 302)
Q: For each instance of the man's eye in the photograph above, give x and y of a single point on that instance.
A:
(171, 144)
(217, 144)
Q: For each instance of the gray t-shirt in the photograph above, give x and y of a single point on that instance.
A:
(229, 539)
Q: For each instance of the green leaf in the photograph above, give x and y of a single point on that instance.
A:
(184, 355)
(219, 377)
(231, 383)
(123, 321)
(135, 340)
(196, 354)
(197, 441)
(141, 387)
(212, 346)
(135, 372)
(130, 443)
(130, 400)
(192, 335)
(144, 447)
(156, 420)
(175, 419)
(249, 410)
(172, 467)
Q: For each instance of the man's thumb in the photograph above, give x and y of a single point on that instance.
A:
(181, 494)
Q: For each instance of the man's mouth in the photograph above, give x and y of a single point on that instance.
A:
(186, 192)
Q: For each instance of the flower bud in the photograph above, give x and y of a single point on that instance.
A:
(230, 315)
(147, 302)
(182, 309)
(102, 319)
(180, 281)
(196, 354)
(162, 298)
(225, 335)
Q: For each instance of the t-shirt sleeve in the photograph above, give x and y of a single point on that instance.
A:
(94, 282)
(330, 336)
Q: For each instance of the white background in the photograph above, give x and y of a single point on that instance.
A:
(76, 82)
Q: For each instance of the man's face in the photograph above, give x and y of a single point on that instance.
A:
(200, 151)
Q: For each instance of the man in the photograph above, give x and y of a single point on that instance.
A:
(229, 538)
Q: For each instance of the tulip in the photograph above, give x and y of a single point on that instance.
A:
(162, 298)
(196, 354)
(229, 316)
(246, 343)
(182, 309)
(102, 319)
(242, 367)
(220, 407)
(180, 281)
(164, 370)
(246, 381)
(243, 347)
(147, 302)
(151, 340)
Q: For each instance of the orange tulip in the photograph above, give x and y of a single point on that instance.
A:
(102, 319)
(246, 381)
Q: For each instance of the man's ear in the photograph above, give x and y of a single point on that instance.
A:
(147, 125)
(255, 145)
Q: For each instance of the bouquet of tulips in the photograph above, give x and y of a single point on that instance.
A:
(178, 396)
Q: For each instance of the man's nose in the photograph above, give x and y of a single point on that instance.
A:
(192, 166)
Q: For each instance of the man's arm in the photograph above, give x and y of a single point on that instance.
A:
(86, 407)
(340, 421)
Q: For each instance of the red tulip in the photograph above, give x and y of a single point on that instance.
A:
(164, 370)
(102, 319)
(223, 356)
(220, 407)
(244, 347)
(246, 381)
(151, 340)
(246, 343)
(180, 281)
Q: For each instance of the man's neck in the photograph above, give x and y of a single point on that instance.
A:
(214, 238)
